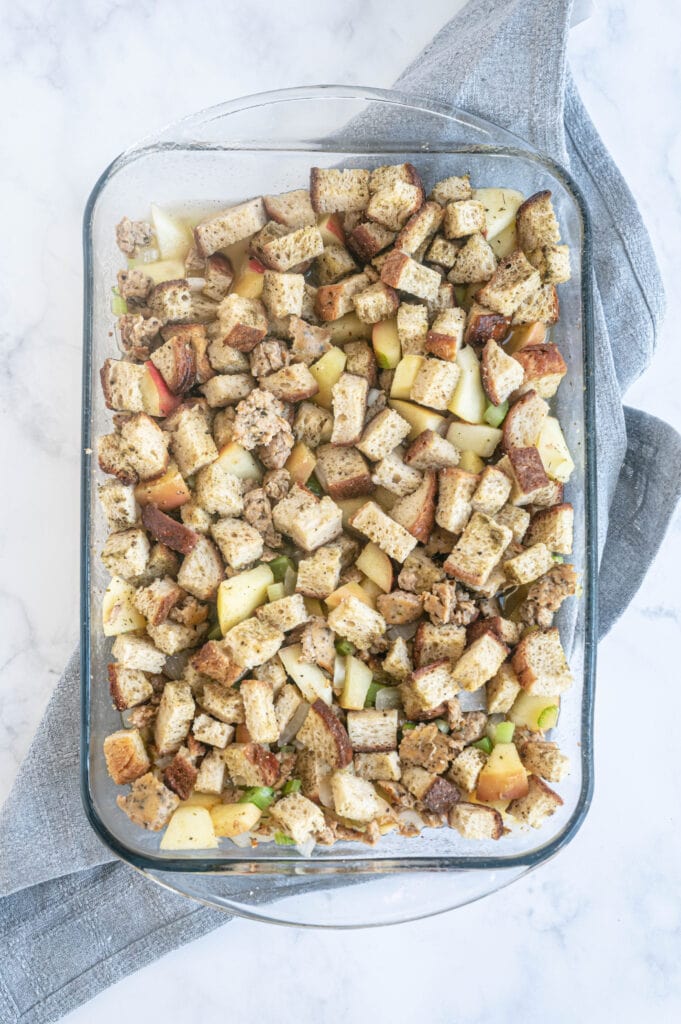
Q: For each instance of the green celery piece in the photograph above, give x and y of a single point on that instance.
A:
(558, 559)
(370, 700)
(548, 718)
(441, 724)
(119, 306)
(495, 414)
(406, 726)
(279, 565)
(261, 796)
(314, 485)
(215, 633)
(484, 744)
(344, 647)
(281, 839)
(503, 732)
(292, 786)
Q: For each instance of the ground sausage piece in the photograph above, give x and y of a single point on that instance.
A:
(275, 454)
(399, 607)
(277, 484)
(317, 643)
(428, 747)
(472, 728)
(259, 419)
(268, 357)
(136, 334)
(258, 512)
(131, 235)
(546, 595)
(448, 603)
(134, 286)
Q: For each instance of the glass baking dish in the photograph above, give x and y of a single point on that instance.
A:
(267, 143)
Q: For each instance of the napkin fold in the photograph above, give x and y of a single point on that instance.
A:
(73, 920)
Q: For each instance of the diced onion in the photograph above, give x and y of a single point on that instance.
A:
(325, 792)
(244, 841)
(306, 848)
(290, 730)
(387, 698)
(475, 701)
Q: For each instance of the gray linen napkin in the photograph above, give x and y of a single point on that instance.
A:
(72, 920)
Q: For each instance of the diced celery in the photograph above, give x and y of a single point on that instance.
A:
(442, 725)
(290, 579)
(484, 744)
(281, 839)
(314, 485)
(370, 700)
(406, 726)
(558, 559)
(279, 565)
(261, 796)
(496, 414)
(292, 786)
(215, 633)
(345, 647)
(548, 718)
(503, 732)
(119, 306)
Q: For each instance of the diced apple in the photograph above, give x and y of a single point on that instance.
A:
(405, 374)
(371, 589)
(157, 399)
(375, 564)
(348, 590)
(554, 452)
(201, 800)
(386, 343)
(190, 828)
(469, 400)
(471, 462)
(348, 328)
(524, 336)
(164, 270)
(275, 592)
(385, 498)
(168, 491)
(250, 280)
(503, 776)
(119, 614)
(501, 206)
(505, 242)
(234, 819)
(421, 419)
(301, 462)
(474, 437)
(529, 708)
(172, 235)
(331, 229)
(309, 678)
(326, 371)
(358, 678)
(313, 606)
(239, 596)
(239, 462)
(348, 507)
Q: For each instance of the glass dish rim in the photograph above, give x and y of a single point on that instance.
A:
(339, 865)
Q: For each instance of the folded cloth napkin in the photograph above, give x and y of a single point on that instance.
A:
(72, 919)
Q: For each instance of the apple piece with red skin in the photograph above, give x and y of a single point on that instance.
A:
(249, 282)
(157, 397)
(331, 229)
(167, 491)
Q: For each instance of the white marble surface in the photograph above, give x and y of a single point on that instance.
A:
(597, 932)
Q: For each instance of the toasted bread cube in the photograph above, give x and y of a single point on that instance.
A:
(542, 306)
(285, 614)
(383, 433)
(435, 793)
(554, 528)
(492, 492)
(463, 217)
(126, 553)
(452, 190)
(355, 798)
(319, 574)
(466, 768)
(145, 448)
(243, 322)
(240, 544)
(543, 367)
(456, 490)
(312, 425)
(539, 757)
(375, 303)
(149, 803)
(540, 663)
(358, 623)
(402, 272)
(419, 228)
(126, 756)
(121, 384)
(388, 174)
(361, 361)
(435, 383)
(249, 764)
(253, 642)
(349, 406)
(128, 687)
(517, 519)
(323, 733)
(201, 571)
(307, 520)
(552, 262)
(229, 226)
(392, 474)
(223, 704)
(412, 328)
(502, 690)
(399, 607)
(446, 335)
(478, 550)
(299, 817)
(484, 324)
(218, 491)
(442, 252)
(333, 264)
(514, 281)
(136, 652)
(394, 204)
(536, 223)
(156, 601)
(368, 239)
(397, 662)
(431, 451)
(173, 637)
(529, 482)
(171, 301)
(336, 191)
(119, 504)
(282, 294)
(480, 661)
(416, 511)
(342, 471)
(175, 714)
(529, 565)
(501, 373)
(261, 721)
(419, 572)
(371, 730)
(293, 383)
(212, 732)
(287, 250)
(435, 642)
(476, 821)
(211, 774)
(293, 209)
(227, 389)
(191, 441)
(378, 767)
(335, 300)
(371, 521)
(475, 261)
(539, 803)
(428, 689)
